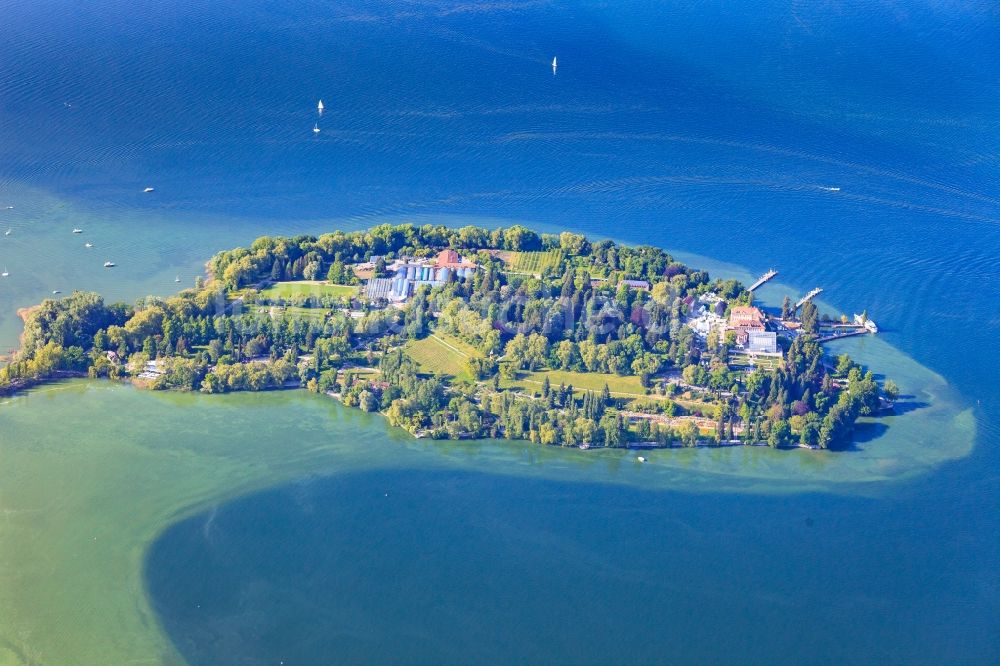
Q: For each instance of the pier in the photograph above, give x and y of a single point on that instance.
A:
(762, 279)
(837, 334)
(808, 297)
(862, 325)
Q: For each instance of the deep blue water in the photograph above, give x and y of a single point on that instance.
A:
(435, 568)
(708, 127)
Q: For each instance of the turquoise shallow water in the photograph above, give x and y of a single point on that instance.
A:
(693, 127)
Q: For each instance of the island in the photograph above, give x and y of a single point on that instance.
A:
(457, 333)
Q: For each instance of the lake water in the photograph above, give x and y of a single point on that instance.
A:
(696, 127)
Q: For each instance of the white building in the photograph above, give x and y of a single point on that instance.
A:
(765, 342)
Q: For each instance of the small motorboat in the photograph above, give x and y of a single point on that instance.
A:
(5, 273)
(88, 245)
(78, 231)
(109, 264)
(8, 232)
(148, 190)
(641, 459)
(56, 291)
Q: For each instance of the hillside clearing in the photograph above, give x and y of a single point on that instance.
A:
(304, 288)
(441, 354)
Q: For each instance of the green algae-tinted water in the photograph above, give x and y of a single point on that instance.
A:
(92, 474)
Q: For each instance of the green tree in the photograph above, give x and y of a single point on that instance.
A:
(780, 435)
(337, 273)
(565, 354)
(890, 390)
(367, 401)
(810, 318)
(787, 310)
(689, 433)
(844, 365)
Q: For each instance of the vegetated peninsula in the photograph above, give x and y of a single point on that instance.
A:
(472, 332)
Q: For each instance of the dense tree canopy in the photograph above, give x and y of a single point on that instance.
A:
(578, 315)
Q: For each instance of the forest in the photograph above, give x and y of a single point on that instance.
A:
(595, 311)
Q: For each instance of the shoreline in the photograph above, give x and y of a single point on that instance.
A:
(160, 478)
(653, 318)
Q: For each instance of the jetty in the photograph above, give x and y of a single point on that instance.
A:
(861, 325)
(847, 332)
(762, 279)
(808, 297)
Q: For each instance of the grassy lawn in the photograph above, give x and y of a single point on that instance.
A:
(310, 314)
(534, 262)
(305, 313)
(621, 386)
(743, 359)
(293, 289)
(366, 373)
(441, 354)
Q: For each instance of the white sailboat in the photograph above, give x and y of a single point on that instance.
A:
(319, 107)
(316, 128)
(555, 65)
(177, 279)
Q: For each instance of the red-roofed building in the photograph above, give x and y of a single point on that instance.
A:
(451, 259)
(742, 316)
(745, 320)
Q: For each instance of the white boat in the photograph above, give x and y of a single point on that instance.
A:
(56, 291)
(319, 107)
(555, 64)
(5, 273)
(78, 231)
(641, 459)
(831, 189)
(88, 245)
(177, 279)
(109, 264)
(8, 232)
(148, 190)
(316, 128)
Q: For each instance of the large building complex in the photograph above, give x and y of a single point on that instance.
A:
(408, 274)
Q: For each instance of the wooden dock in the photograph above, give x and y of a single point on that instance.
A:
(762, 279)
